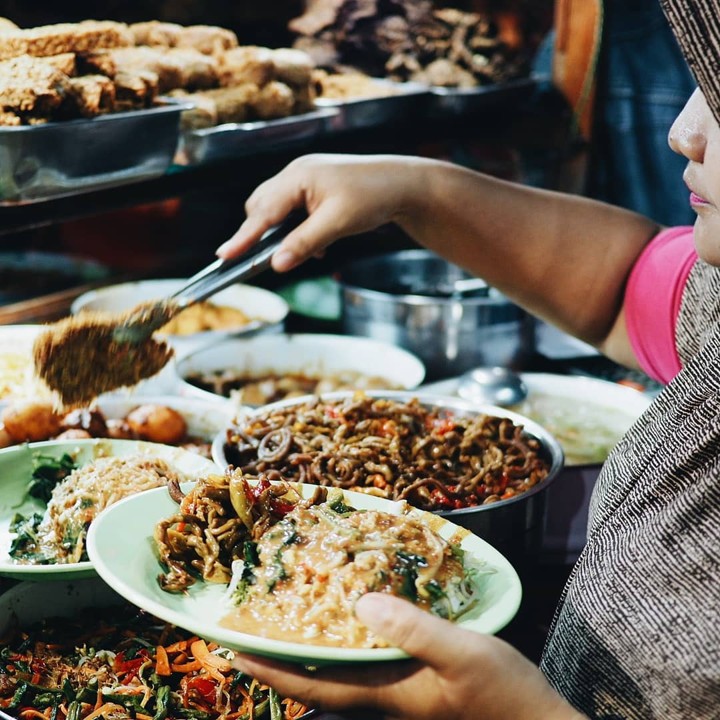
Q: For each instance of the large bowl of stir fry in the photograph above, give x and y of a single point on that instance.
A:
(483, 467)
(91, 654)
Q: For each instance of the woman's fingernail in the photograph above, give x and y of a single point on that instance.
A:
(371, 608)
(222, 250)
(284, 260)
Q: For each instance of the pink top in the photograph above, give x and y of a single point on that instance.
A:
(652, 300)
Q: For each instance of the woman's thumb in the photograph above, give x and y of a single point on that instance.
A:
(417, 632)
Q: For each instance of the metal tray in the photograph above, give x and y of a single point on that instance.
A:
(462, 101)
(40, 162)
(368, 112)
(238, 139)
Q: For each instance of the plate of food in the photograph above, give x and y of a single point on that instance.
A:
(273, 568)
(52, 491)
(119, 642)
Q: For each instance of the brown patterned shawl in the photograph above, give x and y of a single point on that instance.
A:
(637, 633)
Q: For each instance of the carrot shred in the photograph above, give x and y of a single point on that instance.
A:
(185, 667)
(31, 713)
(209, 661)
(162, 663)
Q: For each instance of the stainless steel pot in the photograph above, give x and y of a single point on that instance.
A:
(408, 298)
(514, 526)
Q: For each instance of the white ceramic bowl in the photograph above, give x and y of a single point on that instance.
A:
(307, 354)
(256, 303)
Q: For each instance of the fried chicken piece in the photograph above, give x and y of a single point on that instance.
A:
(138, 59)
(248, 64)
(29, 85)
(92, 95)
(156, 34)
(207, 39)
(47, 40)
(275, 100)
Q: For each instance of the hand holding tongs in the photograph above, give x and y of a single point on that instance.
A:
(139, 325)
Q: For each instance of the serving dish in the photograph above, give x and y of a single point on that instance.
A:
(313, 355)
(513, 525)
(396, 101)
(131, 569)
(230, 140)
(56, 159)
(456, 101)
(16, 469)
(561, 404)
(91, 601)
(256, 303)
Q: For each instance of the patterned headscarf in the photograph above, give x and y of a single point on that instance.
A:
(696, 24)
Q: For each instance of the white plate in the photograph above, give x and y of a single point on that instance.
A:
(15, 474)
(131, 568)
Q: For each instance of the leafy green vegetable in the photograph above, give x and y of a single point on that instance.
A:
(406, 566)
(47, 473)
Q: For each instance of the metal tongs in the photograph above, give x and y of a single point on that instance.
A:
(215, 277)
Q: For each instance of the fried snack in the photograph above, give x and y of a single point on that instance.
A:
(9, 119)
(30, 85)
(232, 104)
(304, 98)
(7, 24)
(349, 86)
(198, 71)
(293, 67)
(156, 34)
(135, 90)
(65, 63)
(207, 39)
(139, 59)
(48, 40)
(248, 64)
(203, 114)
(275, 100)
(92, 95)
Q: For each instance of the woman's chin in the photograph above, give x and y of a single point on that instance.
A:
(707, 236)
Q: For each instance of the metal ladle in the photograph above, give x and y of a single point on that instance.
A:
(492, 386)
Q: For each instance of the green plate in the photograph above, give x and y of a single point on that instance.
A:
(15, 474)
(128, 563)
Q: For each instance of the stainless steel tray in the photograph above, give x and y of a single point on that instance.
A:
(40, 162)
(461, 101)
(406, 99)
(238, 139)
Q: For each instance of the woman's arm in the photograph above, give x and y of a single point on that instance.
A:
(564, 258)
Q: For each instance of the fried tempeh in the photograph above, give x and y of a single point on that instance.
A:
(29, 85)
(92, 95)
(208, 39)
(48, 40)
(156, 34)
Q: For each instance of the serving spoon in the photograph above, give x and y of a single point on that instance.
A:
(493, 386)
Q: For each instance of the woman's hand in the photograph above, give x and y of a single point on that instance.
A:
(456, 674)
(343, 195)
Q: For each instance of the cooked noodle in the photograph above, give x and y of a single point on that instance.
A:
(297, 566)
(434, 459)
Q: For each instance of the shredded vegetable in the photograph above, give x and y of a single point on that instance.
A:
(122, 663)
